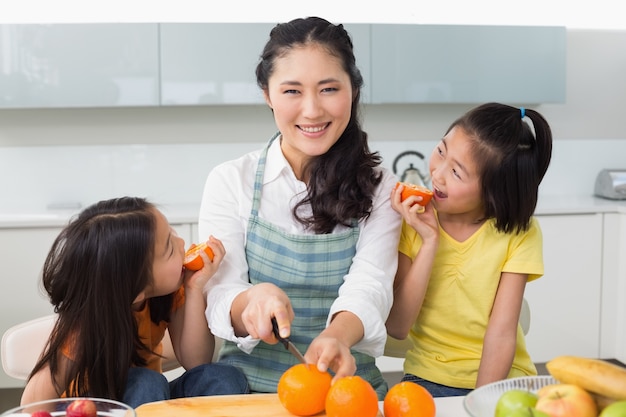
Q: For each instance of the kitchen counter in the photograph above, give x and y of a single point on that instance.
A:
(188, 213)
(450, 407)
(444, 407)
(175, 213)
(578, 204)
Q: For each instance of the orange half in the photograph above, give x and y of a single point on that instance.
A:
(418, 190)
(193, 261)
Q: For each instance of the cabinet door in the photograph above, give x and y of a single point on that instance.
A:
(565, 302)
(184, 230)
(22, 254)
(78, 65)
(215, 63)
(613, 330)
(467, 64)
(211, 63)
(360, 34)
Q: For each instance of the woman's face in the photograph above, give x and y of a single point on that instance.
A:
(311, 97)
(169, 254)
(455, 176)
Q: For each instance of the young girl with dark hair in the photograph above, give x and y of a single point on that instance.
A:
(309, 231)
(116, 279)
(464, 262)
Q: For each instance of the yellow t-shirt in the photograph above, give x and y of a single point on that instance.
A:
(448, 334)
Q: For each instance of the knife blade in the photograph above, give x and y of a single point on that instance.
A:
(287, 343)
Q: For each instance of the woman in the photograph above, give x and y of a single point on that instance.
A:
(306, 222)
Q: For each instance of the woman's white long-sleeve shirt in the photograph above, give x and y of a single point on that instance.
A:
(367, 290)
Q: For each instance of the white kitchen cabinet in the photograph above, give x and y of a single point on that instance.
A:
(613, 329)
(211, 63)
(78, 65)
(22, 254)
(183, 230)
(467, 64)
(151, 64)
(215, 63)
(565, 303)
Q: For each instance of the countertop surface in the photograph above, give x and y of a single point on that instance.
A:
(188, 213)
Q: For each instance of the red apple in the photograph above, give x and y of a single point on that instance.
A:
(566, 400)
(81, 408)
(41, 414)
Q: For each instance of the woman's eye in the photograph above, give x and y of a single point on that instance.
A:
(291, 91)
(329, 90)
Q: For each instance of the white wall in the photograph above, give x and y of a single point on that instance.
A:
(58, 156)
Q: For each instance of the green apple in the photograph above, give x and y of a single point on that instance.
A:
(617, 409)
(527, 412)
(514, 399)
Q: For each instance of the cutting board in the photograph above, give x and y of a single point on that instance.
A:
(250, 405)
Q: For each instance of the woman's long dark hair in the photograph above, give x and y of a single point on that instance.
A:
(96, 268)
(342, 182)
(513, 158)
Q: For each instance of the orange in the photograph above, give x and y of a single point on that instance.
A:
(351, 396)
(193, 261)
(418, 190)
(302, 389)
(409, 399)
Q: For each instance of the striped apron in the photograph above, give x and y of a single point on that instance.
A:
(310, 269)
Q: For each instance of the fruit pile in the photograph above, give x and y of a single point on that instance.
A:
(305, 391)
(586, 388)
(78, 408)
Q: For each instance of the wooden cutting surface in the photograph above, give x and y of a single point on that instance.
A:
(251, 405)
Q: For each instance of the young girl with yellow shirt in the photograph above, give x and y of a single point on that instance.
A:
(464, 262)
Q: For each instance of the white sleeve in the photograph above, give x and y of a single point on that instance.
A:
(367, 290)
(224, 212)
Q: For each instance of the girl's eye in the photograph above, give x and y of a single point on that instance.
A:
(290, 91)
(329, 89)
(456, 173)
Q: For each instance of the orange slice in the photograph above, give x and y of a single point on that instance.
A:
(418, 190)
(193, 261)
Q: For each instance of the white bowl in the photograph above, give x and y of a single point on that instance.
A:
(57, 407)
(481, 402)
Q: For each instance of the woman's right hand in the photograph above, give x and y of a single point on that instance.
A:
(261, 302)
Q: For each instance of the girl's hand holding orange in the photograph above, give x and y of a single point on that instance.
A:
(201, 261)
(193, 261)
(411, 190)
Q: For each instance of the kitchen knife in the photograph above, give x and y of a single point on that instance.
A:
(287, 343)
